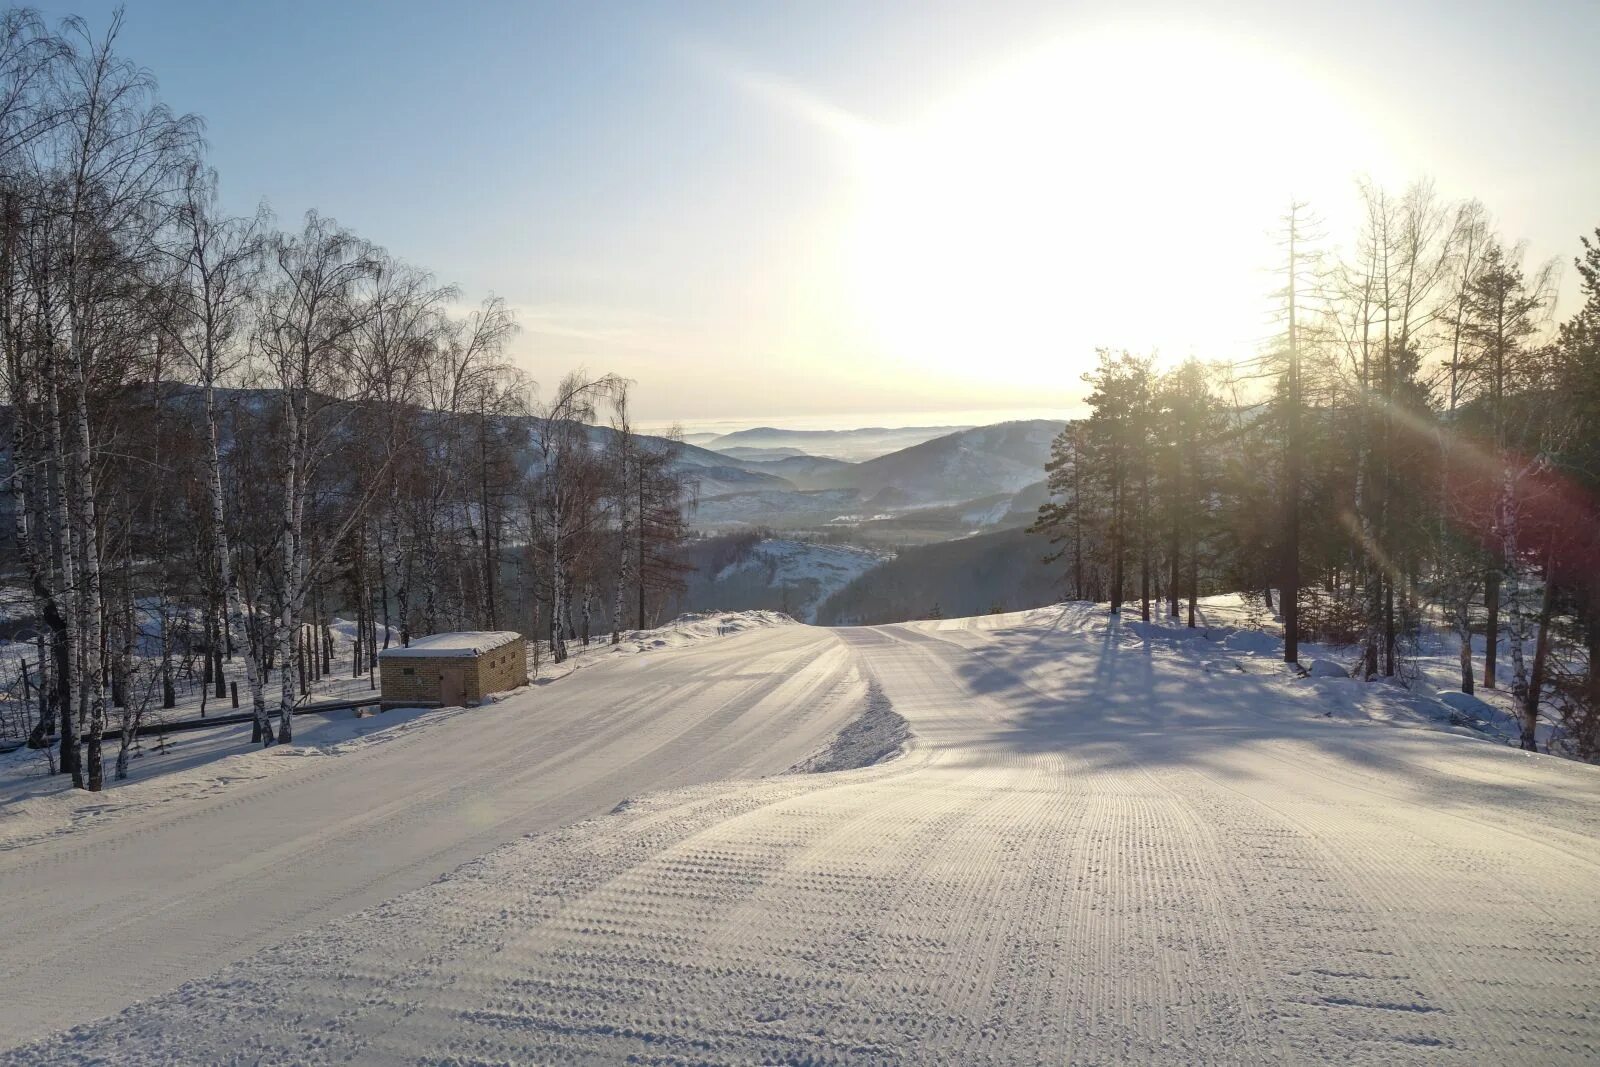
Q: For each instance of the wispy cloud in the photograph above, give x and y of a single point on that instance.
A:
(603, 331)
(783, 95)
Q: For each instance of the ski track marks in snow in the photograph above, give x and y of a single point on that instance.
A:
(191, 884)
(1092, 851)
(198, 765)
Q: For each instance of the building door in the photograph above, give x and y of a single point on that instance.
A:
(452, 687)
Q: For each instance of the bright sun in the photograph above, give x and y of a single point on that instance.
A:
(1118, 188)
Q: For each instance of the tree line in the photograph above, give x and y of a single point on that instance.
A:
(1417, 449)
(222, 432)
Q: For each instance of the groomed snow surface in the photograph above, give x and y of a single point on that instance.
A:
(1098, 842)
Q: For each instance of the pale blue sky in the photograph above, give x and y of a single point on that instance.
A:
(696, 195)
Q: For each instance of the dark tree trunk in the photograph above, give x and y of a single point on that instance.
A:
(69, 760)
(1194, 583)
(638, 574)
(39, 737)
(360, 635)
(220, 683)
(1289, 595)
(1491, 625)
(1077, 560)
(1116, 546)
(1173, 565)
(1541, 650)
(1388, 629)
(207, 659)
(1594, 652)
(490, 621)
(1144, 537)
(1191, 446)
(1372, 607)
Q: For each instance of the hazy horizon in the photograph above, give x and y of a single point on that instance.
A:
(855, 420)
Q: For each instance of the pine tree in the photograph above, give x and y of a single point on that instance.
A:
(1061, 517)
(1498, 320)
(1118, 438)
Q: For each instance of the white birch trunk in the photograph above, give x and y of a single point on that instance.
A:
(294, 561)
(90, 600)
(396, 564)
(66, 582)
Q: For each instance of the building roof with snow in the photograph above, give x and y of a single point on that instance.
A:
(453, 646)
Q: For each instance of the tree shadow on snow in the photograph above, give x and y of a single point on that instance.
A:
(1131, 695)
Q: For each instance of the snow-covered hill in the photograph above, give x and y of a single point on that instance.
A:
(966, 576)
(990, 475)
(808, 573)
(780, 574)
(961, 466)
(805, 472)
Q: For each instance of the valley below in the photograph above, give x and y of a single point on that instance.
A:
(954, 502)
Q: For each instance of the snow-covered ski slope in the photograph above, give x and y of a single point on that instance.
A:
(165, 879)
(1101, 844)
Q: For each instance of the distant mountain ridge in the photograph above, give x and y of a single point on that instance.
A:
(982, 479)
(775, 481)
(862, 443)
(1003, 458)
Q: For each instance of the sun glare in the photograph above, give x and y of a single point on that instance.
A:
(1032, 216)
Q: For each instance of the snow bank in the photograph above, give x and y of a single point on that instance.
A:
(1252, 641)
(183, 767)
(878, 734)
(1235, 637)
(698, 625)
(1479, 715)
(686, 629)
(453, 645)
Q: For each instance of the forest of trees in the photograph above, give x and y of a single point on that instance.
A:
(1418, 450)
(220, 433)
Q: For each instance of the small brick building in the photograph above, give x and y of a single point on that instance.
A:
(452, 670)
